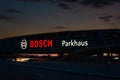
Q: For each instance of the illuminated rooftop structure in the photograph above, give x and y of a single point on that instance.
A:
(95, 38)
(89, 44)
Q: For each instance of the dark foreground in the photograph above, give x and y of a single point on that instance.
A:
(10, 71)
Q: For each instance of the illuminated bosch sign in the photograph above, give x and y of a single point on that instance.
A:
(36, 44)
(48, 43)
(41, 43)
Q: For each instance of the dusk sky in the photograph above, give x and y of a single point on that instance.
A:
(24, 17)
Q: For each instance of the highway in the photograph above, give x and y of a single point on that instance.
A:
(14, 71)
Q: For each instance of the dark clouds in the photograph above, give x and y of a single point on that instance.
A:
(92, 3)
(70, 0)
(30, 0)
(14, 11)
(96, 3)
(5, 17)
(106, 18)
(9, 14)
(64, 4)
(47, 16)
(60, 27)
(113, 20)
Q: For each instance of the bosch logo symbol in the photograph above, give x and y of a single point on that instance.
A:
(24, 44)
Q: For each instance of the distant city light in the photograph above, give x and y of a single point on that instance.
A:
(41, 55)
(116, 58)
(22, 59)
(95, 55)
(105, 54)
(114, 54)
